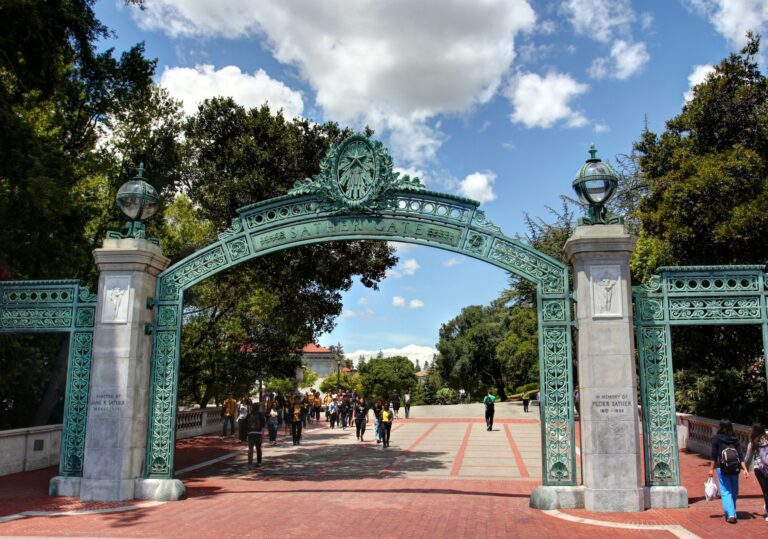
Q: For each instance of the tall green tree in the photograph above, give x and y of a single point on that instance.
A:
(707, 203)
(381, 376)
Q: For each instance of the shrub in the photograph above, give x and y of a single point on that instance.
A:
(446, 395)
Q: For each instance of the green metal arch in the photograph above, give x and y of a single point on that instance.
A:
(394, 209)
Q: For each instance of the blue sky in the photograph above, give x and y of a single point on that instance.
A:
(497, 100)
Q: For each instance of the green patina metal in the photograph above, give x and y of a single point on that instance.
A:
(58, 306)
(358, 196)
(138, 201)
(691, 295)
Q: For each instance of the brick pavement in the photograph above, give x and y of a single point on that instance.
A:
(440, 478)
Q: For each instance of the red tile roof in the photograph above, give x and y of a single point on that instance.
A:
(313, 348)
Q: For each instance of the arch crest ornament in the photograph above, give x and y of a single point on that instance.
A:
(357, 195)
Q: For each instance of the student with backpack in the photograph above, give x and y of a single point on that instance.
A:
(758, 450)
(489, 401)
(728, 458)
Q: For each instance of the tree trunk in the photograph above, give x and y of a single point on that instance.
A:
(54, 388)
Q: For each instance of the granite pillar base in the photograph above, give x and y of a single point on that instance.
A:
(106, 490)
(61, 485)
(163, 490)
(666, 498)
(614, 500)
(548, 498)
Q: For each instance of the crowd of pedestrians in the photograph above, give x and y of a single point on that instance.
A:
(294, 413)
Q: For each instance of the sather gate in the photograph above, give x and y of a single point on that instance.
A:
(358, 196)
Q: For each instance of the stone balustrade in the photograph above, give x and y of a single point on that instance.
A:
(695, 433)
(22, 450)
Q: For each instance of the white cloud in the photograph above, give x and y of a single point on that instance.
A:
(394, 274)
(392, 65)
(697, 76)
(362, 301)
(403, 248)
(625, 60)
(599, 19)
(365, 314)
(413, 352)
(192, 86)
(646, 20)
(478, 186)
(545, 101)
(410, 266)
(601, 128)
(485, 126)
(415, 304)
(733, 18)
(398, 301)
(454, 261)
(508, 145)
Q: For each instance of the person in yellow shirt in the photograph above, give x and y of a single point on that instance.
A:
(327, 401)
(386, 424)
(228, 411)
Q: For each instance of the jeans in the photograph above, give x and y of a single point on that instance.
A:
(254, 439)
(729, 492)
(272, 427)
(317, 413)
(296, 432)
(407, 410)
(227, 419)
(377, 429)
(241, 429)
(333, 420)
(489, 418)
(360, 427)
(386, 428)
(762, 479)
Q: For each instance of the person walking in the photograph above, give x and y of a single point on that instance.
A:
(296, 420)
(228, 412)
(489, 401)
(728, 458)
(526, 401)
(255, 422)
(318, 404)
(361, 418)
(333, 412)
(344, 412)
(757, 454)
(273, 422)
(386, 424)
(377, 408)
(407, 403)
(243, 411)
(396, 403)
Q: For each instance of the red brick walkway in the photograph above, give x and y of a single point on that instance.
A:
(334, 486)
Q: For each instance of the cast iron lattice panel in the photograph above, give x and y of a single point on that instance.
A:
(370, 202)
(690, 295)
(58, 306)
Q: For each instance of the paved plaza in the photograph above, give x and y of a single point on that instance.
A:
(443, 476)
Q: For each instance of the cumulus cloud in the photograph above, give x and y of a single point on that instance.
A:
(413, 352)
(478, 186)
(733, 18)
(415, 304)
(697, 76)
(600, 128)
(365, 314)
(454, 261)
(193, 85)
(545, 101)
(398, 301)
(410, 266)
(599, 19)
(392, 65)
(625, 60)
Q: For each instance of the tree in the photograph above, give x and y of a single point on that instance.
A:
(310, 378)
(334, 381)
(707, 203)
(418, 367)
(387, 374)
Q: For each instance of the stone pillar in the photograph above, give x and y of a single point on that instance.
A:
(116, 436)
(610, 435)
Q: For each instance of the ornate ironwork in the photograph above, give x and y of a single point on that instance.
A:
(357, 195)
(690, 295)
(58, 306)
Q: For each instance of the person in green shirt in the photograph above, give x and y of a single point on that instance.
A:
(489, 401)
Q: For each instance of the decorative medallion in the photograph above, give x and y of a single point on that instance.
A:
(356, 170)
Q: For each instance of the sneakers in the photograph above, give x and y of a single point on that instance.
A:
(731, 520)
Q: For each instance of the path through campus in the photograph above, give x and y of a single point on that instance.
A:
(444, 475)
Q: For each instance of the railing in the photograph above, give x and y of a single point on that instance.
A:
(695, 433)
(22, 450)
(196, 422)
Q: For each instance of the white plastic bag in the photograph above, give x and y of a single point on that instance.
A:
(710, 489)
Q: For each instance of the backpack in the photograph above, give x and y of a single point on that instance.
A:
(762, 458)
(729, 460)
(488, 402)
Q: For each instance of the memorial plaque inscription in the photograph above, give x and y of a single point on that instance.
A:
(610, 405)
